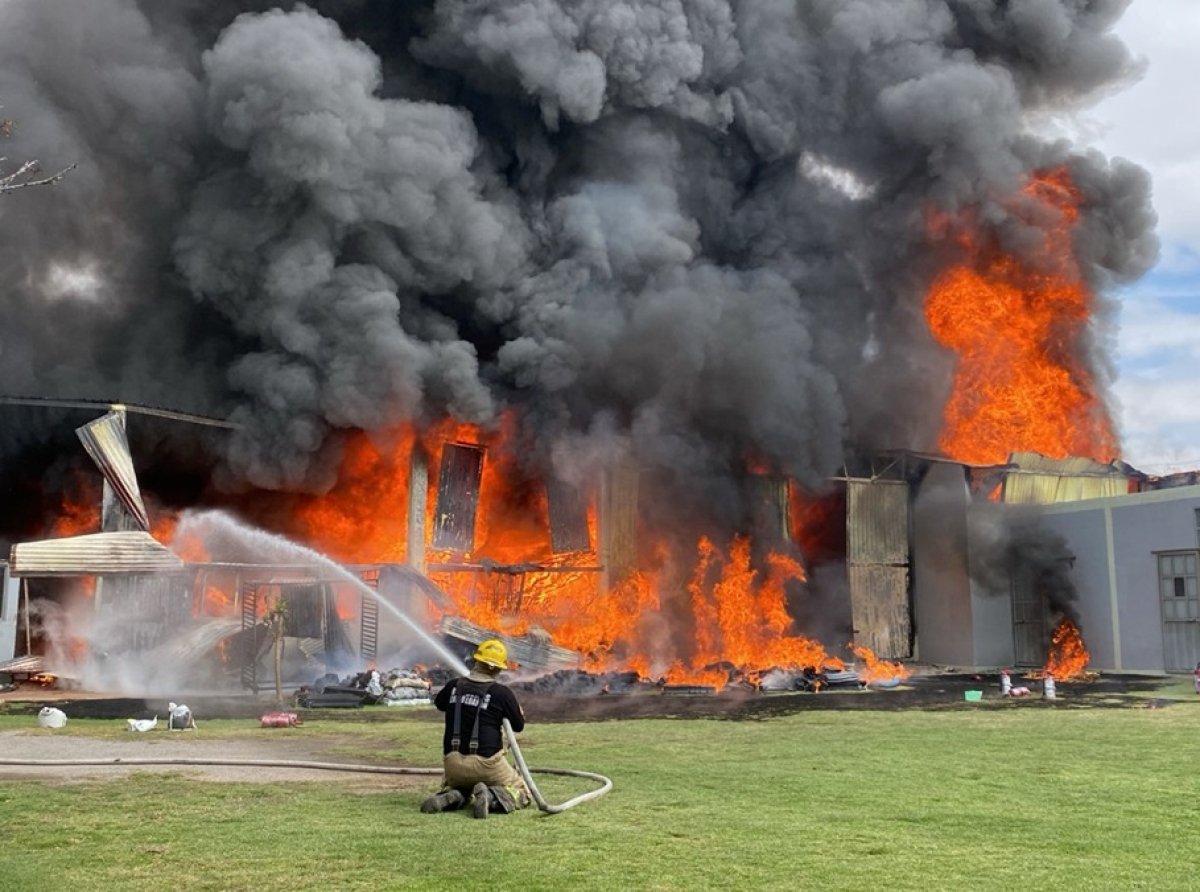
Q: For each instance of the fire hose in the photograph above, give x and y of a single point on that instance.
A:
(605, 783)
(525, 771)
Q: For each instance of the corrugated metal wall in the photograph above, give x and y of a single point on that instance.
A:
(877, 555)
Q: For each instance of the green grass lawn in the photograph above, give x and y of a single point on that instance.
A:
(989, 798)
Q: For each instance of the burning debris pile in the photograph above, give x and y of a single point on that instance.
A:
(561, 304)
(407, 687)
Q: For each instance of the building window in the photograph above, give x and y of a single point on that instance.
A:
(1177, 576)
(1197, 510)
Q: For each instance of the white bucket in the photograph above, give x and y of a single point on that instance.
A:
(1049, 691)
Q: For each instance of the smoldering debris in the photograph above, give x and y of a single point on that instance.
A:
(394, 687)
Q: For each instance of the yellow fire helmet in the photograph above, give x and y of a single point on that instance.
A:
(492, 653)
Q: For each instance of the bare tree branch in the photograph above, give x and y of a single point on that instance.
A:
(24, 176)
(21, 177)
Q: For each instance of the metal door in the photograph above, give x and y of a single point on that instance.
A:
(878, 562)
(1031, 621)
(1177, 591)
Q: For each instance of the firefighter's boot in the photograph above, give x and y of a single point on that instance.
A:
(447, 800)
(481, 800)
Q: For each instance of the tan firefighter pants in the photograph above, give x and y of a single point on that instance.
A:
(464, 772)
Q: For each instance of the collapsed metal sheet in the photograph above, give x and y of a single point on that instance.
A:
(530, 651)
(459, 477)
(105, 441)
(97, 554)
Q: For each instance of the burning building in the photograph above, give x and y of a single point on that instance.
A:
(609, 317)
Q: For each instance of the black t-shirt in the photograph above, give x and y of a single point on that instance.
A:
(498, 703)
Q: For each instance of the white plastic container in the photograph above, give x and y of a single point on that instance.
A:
(49, 717)
(1049, 691)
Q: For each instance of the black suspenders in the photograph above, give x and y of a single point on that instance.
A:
(456, 734)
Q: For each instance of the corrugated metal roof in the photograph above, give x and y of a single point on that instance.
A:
(105, 441)
(98, 554)
(1039, 480)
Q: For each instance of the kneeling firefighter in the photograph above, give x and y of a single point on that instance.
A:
(473, 742)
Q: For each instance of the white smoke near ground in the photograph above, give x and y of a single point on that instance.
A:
(682, 233)
(89, 649)
(123, 650)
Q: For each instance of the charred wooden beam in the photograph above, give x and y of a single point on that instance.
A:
(418, 494)
(618, 512)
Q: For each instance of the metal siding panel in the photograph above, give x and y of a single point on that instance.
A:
(877, 522)
(879, 608)
(152, 609)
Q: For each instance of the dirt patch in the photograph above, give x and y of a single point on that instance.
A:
(45, 744)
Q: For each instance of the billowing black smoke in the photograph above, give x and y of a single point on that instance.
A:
(1012, 547)
(687, 232)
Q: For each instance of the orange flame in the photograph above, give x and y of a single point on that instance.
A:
(1068, 657)
(875, 669)
(818, 523)
(1017, 330)
(364, 518)
(706, 617)
(79, 513)
(513, 582)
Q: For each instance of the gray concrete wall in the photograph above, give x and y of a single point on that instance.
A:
(1128, 637)
(1086, 538)
(991, 628)
(942, 602)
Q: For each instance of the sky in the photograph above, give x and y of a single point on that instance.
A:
(1154, 123)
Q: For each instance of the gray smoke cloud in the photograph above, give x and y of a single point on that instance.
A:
(690, 232)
